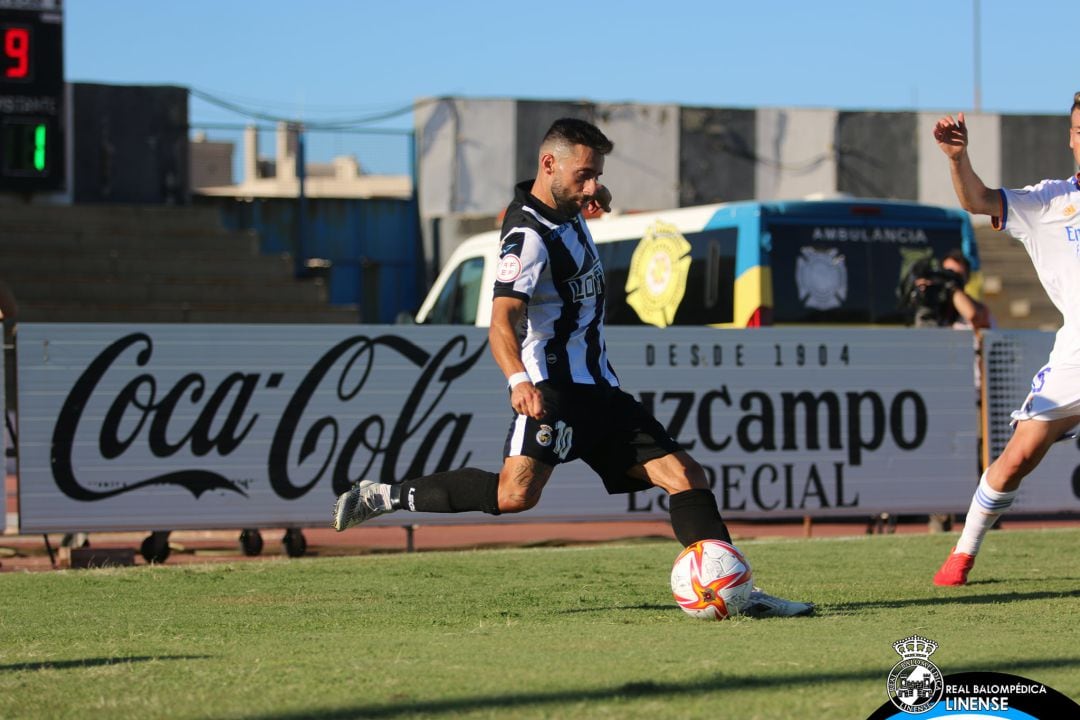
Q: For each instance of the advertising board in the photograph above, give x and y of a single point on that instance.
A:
(222, 426)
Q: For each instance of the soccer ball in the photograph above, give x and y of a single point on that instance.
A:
(711, 580)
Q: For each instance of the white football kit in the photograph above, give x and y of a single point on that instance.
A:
(1046, 219)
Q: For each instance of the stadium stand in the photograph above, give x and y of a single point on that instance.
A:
(1011, 289)
(151, 264)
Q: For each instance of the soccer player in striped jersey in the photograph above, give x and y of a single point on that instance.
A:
(547, 336)
(1044, 218)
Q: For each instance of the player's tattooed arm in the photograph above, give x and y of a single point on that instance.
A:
(507, 314)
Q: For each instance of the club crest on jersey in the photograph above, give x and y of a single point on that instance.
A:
(509, 268)
(544, 435)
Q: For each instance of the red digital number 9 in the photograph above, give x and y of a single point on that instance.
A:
(17, 47)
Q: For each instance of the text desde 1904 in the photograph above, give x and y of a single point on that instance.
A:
(817, 355)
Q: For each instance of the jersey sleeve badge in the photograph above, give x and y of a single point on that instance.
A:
(509, 268)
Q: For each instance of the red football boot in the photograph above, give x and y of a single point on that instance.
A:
(955, 570)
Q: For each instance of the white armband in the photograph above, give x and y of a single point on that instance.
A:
(517, 379)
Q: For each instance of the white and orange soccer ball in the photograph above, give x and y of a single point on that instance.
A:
(711, 580)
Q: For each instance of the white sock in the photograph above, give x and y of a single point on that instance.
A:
(986, 507)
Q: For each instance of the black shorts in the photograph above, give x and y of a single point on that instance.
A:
(604, 426)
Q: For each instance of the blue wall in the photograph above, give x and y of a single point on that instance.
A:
(373, 246)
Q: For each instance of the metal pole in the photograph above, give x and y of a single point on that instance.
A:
(978, 56)
(301, 205)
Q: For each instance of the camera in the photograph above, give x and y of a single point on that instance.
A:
(925, 294)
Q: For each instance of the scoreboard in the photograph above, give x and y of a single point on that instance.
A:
(31, 95)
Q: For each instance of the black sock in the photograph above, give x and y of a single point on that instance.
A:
(454, 491)
(695, 516)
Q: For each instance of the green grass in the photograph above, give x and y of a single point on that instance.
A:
(579, 632)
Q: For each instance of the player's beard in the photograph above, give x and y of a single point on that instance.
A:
(566, 202)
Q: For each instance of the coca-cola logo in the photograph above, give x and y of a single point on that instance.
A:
(309, 442)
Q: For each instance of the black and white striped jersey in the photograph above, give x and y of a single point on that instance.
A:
(550, 261)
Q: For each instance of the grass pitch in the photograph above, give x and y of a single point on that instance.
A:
(579, 632)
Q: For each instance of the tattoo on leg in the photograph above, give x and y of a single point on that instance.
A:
(522, 475)
(521, 482)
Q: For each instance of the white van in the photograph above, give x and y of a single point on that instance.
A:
(744, 264)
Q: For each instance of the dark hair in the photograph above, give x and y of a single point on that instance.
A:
(957, 255)
(1076, 103)
(578, 132)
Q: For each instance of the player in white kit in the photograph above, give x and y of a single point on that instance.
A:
(1046, 218)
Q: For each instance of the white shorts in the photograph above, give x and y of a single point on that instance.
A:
(1055, 394)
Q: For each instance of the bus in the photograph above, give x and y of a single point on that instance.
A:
(739, 264)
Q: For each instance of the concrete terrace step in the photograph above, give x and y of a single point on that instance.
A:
(142, 290)
(1022, 286)
(1023, 313)
(155, 266)
(1019, 302)
(140, 264)
(113, 219)
(150, 243)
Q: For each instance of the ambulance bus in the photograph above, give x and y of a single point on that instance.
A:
(739, 265)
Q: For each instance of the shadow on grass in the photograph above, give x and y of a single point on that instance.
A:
(643, 606)
(947, 598)
(850, 608)
(94, 662)
(627, 691)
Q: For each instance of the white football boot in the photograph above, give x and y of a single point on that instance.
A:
(764, 605)
(364, 500)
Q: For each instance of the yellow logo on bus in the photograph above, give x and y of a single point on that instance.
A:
(656, 281)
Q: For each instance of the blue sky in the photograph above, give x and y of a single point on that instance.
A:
(320, 59)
